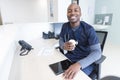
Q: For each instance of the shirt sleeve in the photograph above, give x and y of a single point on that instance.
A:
(94, 55)
(62, 38)
(61, 42)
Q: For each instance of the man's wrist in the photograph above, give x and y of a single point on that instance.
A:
(79, 65)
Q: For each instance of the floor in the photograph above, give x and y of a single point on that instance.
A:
(110, 66)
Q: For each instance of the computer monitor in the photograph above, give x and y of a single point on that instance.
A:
(57, 29)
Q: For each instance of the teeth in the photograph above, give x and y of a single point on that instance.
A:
(72, 17)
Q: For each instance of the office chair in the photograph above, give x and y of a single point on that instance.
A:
(95, 75)
(102, 35)
(111, 78)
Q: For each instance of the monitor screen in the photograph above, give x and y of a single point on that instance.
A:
(57, 29)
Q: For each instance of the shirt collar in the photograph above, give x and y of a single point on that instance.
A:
(75, 28)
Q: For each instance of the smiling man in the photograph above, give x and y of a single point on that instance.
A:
(86, 51)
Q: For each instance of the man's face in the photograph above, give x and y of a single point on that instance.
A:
(73, 13)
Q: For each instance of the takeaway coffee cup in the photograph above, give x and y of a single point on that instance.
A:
(74, 43)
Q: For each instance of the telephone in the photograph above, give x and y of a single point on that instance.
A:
(24, 47)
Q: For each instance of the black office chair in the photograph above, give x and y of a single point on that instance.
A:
(111, 78)
(102, 35)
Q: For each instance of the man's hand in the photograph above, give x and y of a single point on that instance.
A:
(71, 71)
(69, 46)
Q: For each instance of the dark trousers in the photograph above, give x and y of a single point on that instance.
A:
(88, 69)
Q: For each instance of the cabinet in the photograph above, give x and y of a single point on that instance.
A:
(57, 10)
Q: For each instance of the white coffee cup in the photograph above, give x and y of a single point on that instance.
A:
(74, 43)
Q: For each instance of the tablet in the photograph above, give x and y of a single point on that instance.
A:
(60, 67)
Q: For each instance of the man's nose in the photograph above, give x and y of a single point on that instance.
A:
(72, 12)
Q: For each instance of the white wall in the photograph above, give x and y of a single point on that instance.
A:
(22, 11)
(87, 8)
(111, 6)
(62, 10)
(59, 10)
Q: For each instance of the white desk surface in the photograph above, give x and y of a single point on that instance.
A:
(34, 66)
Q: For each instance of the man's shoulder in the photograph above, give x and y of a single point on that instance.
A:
(66, 24)
(86, 25)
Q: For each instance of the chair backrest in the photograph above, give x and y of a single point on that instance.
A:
(102, 35)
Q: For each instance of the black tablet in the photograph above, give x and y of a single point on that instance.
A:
(60, 67)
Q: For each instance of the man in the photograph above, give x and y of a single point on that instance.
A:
(86, 51)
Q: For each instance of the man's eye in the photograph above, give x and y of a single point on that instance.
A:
(76, 10)
(69, 11)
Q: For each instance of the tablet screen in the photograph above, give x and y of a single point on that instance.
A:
(60, 67)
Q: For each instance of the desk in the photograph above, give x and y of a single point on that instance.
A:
(34, 66)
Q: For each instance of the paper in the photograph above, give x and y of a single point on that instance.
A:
(45, 51)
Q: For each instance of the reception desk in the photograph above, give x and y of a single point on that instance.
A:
(35, 65)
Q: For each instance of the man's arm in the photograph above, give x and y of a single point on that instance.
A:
(61, 42)
(94, 55)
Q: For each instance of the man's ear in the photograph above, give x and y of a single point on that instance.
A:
(80, 14)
